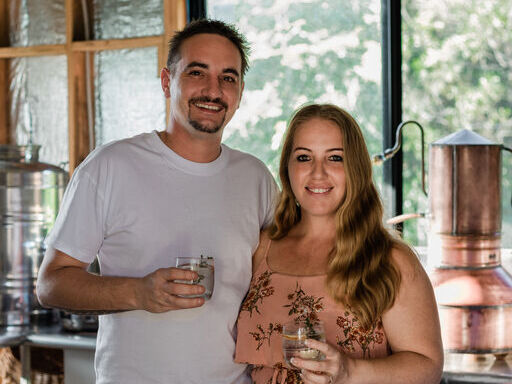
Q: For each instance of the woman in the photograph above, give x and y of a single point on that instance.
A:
(329, 258)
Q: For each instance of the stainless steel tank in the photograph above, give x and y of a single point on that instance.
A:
(30, 192)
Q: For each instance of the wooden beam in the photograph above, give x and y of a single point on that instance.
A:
(111, 44)
(72, 128)
(35, 50)
(4, 102)
(80, 46)
(4, 76)
(81, 147)
(175, 19)
(4, 26)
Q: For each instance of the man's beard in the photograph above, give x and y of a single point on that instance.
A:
(201, 127)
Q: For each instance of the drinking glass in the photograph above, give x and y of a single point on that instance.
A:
(294, 338)
(204, 267)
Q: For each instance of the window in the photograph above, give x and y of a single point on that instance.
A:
(305, 51)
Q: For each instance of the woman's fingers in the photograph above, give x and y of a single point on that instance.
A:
(322, 347)
(323, 371)
(310, 365)
(315, 378)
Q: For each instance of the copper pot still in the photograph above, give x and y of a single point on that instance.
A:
(473, 290)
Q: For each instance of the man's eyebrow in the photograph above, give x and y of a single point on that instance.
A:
(197, 64)
(232, 71)
(205, 66)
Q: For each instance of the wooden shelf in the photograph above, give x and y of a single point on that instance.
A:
(111, 44)
(36, 50)
(80, 46)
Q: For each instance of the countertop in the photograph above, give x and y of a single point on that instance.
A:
(483, 369)
(47, 336)
(458, 369)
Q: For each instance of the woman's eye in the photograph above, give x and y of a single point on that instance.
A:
(336, 158)
(302, 158)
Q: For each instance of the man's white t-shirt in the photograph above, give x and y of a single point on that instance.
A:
(138, 205)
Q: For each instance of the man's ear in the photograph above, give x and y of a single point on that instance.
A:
(165, 81)
(241, 93)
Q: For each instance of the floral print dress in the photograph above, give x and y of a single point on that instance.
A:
(275, 299)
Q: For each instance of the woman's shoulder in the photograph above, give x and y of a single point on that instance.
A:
(408, 264)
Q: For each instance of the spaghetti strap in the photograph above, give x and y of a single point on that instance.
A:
(263, 263)
(266, 250)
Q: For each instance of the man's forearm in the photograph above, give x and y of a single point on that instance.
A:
(77, 290)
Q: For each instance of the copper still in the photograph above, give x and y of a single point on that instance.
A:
(473, 290)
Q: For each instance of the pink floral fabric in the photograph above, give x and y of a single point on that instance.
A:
(275, 299)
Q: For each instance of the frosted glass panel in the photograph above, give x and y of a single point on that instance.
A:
(119, 19)
(129, 99)
(39, 109)
(36, 22)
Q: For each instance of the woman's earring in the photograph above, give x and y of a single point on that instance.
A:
(297, 203)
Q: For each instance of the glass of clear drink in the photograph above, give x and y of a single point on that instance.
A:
(204, 266)
(294, 339)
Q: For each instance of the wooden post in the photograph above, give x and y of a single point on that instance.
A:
(4, 77)
(81, 121)
(72, 132)
(78, 123)
(175, 18)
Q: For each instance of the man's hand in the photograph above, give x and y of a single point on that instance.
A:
(158, 291)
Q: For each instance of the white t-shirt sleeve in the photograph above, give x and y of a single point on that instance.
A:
(272, 196)
(79, 228)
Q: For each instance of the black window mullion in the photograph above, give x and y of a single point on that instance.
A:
(196, 9)
(392, 102)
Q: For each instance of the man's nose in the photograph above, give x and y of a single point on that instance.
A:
(212, 88)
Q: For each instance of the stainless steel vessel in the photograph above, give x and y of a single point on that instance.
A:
(30, 192)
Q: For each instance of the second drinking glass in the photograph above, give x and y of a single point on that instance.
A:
(294, 340)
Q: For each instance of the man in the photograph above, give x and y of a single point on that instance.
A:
(140, 202)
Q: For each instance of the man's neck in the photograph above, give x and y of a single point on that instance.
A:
(195, 149)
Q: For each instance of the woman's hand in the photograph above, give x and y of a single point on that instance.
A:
(333, 369)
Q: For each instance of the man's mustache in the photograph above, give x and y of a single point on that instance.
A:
(205, 99)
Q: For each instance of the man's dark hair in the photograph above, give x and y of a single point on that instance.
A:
(208, 26)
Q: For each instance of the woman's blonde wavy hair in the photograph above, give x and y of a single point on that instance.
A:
(360, 271)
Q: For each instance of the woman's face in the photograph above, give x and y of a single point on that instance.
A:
(315, 167)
